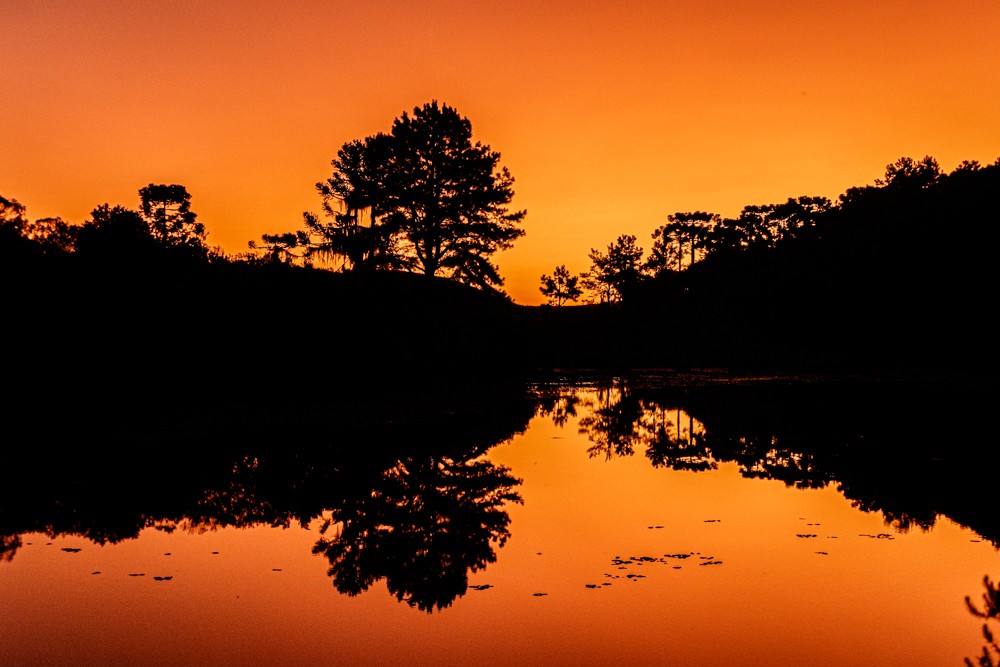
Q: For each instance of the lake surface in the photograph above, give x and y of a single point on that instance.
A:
(582, 521)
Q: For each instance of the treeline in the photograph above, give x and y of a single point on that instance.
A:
(892, 277)
(895, 276)
(861, 218)
(131, 319)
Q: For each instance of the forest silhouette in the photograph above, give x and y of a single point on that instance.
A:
(133, 315)
(204, 386)
(892, 278)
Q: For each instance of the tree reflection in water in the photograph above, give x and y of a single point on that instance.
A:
(876, 440)
(401, 482)
(990, 657)
(618, 421)
(429, 521)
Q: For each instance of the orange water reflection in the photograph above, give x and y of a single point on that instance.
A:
(610, 560)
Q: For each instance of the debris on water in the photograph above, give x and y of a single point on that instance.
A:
(538, 595)
(71, 550)
(481, 587)
(676, 555)
(98, 572)
(168, 554)
(636, 576)
(591, 585)
(822, 553)
(275, 569)
(215, 553)
(805, 535)
(711, 562)
(137, 574)
(712, 520)
(162, 578)
(880, 536)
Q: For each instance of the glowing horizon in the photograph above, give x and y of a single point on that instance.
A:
(609, 118)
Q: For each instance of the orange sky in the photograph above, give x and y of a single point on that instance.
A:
(610, 116)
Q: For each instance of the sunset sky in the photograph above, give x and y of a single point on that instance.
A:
(609, 115)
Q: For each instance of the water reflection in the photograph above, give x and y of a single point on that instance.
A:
(617, 420)
(427, 523)
(404, 492)
(401, 489)
(910, 450)
(990, 613)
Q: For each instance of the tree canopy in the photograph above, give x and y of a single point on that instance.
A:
(167, 211)
(424, 198)
(613, 273)
(561, 286)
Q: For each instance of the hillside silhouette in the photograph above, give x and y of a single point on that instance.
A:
(893, 279)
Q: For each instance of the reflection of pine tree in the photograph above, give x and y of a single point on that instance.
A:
(618, 422)
(670, 445)
(612, 424)
(990, 656)
(559, 405)
(427, 524)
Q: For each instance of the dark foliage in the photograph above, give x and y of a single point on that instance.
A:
(895, 278)
(422, 198)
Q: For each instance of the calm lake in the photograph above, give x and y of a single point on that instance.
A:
(695, 519)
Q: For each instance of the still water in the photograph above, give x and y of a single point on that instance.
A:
(590, 522)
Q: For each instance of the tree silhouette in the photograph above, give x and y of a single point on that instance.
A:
(909, 173)
(53, 235)
(765, 226)
(12, 213)
(355, 232)
(422, 198)
(560, 286)
(683, 230)
(12, 225)
(613, 273)
(114, 231)
(167, 211)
